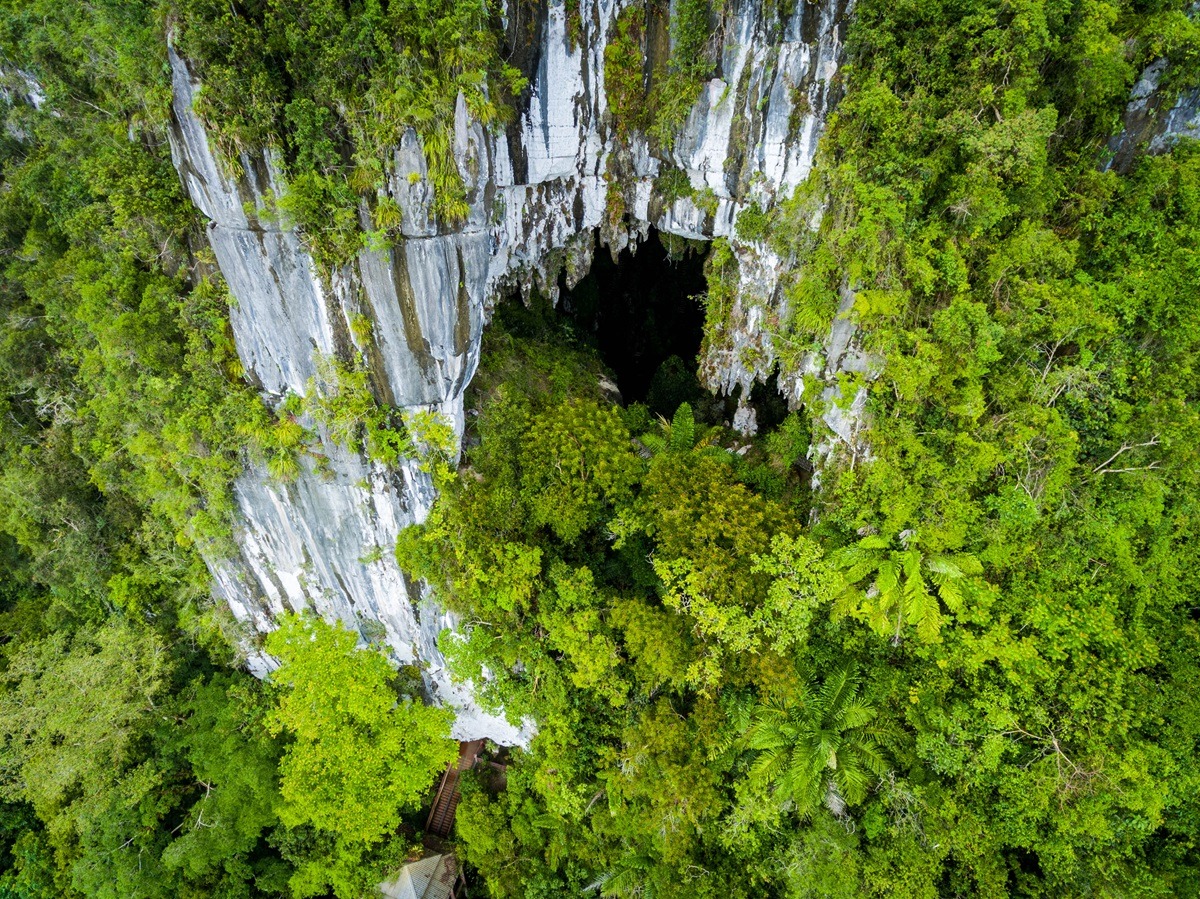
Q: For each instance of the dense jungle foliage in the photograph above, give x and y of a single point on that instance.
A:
(968, 673)
(137, 759)
(965, 665)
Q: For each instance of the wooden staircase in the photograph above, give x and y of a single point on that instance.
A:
(441, 815)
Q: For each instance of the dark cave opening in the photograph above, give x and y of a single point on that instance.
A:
(644, 315)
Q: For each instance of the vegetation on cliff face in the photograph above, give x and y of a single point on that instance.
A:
(333, 87)
(652, 94)
(965, 666)
(135, 760)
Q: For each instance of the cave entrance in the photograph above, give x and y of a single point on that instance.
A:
(644, 315)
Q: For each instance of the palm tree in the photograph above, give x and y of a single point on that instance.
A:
(899, 593)
(820, 748)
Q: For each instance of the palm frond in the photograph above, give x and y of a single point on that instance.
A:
(944, 565)
(833, 692)
(853, 781)
(888, 578)
(874, 541)
(857, 713)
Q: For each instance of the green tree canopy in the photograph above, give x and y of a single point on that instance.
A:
(359, 754)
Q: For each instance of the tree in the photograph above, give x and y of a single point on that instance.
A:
(360, 753)
(820, 747)
(898, 593)
(580, 461)
(235, 763)
(77, 717)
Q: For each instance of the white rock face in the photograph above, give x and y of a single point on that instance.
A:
(1147, 125)
(538, 196)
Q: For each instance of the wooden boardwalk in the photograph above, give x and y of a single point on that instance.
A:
(441, 815)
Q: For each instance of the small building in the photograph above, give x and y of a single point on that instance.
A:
(437, 875)
(433, 877)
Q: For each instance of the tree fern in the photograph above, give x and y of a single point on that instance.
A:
(898, 595)
(683, 429)
(820, 748)
(628, 877)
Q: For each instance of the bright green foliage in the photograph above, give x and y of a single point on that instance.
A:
(898, 596)
(126, 419)
(802, 581)
(682, 435)
(708, 529)
(721, 273)
(691, 64)
(1030, 425)
(641, 589)
(818, 746)
(340, 399)
(753, 224)
(679, 435)
(997, 708)
(624, 71)
(588, 466)
(741, 688)
(360, 754)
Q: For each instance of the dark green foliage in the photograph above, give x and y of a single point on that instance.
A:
(335, 85)
(673, 383)
(146, 784)
(673, 184)
(655, 96)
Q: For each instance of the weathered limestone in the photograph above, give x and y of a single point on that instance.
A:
(538, 195)
(1148, 124)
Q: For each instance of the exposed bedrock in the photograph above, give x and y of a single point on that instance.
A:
(1154, 119)
(538, 196)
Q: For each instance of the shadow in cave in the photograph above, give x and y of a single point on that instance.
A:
(643, 314)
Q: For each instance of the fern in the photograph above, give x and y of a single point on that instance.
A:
(683, 429)
(822, 744)
(899, 594)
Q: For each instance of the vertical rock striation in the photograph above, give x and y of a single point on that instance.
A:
(538, 195)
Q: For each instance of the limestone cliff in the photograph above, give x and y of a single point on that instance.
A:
(539, 195)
